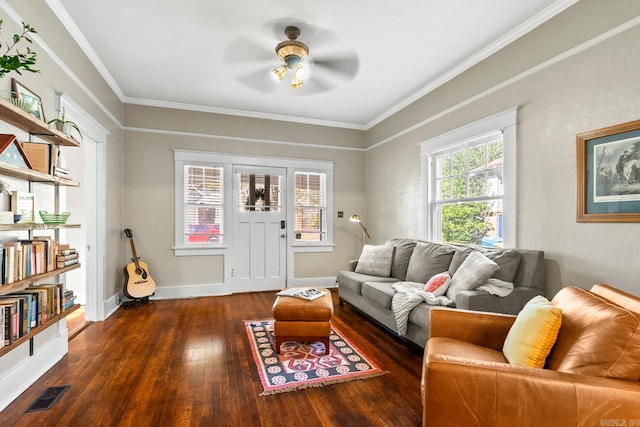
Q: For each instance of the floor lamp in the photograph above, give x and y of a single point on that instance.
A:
(356, 218)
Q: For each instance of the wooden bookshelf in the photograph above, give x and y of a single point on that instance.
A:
(35, 226)
(7, 288)
(29, 123)
(34, 176)
(36, 330)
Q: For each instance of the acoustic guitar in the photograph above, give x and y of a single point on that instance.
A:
(138, 282)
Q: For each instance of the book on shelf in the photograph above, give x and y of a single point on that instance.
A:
(67, 257)
(12, 320)
(308, 294)
(39, 155)
(67, 263)
(2, 326)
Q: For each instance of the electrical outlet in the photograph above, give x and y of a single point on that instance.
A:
(340, 214)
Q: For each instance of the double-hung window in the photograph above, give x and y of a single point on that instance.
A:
(310, 206)
(203, 204)
(469, 180)
(205, 218)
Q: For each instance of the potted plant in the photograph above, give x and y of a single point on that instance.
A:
(19, 61)
(65, 126)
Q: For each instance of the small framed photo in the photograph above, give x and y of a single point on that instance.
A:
(608, 161)
(29, 98)
(24, 204)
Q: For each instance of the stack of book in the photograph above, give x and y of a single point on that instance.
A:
(29, 308)
(69, 299)
(23, 258)
(66, 256)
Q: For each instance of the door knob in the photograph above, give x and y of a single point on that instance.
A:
(283, 235)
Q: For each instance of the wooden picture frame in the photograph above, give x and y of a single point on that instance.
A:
(608, 161)
(24, 204)
(11, 152)
(25, 93)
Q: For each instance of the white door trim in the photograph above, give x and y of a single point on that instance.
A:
(95, 208)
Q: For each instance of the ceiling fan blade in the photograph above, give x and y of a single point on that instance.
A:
(260, 81)
(245, 50)
(344, 66)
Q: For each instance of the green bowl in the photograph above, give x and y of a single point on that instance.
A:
(26, 103)
(51, 218)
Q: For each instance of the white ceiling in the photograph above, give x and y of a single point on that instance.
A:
(185, 54)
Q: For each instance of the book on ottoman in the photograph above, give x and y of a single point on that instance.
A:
(305, 293)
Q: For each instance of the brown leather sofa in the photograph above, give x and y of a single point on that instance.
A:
(591, 376)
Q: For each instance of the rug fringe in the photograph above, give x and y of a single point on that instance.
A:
(322, 384)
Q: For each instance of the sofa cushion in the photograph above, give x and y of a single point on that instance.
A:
(597, 337)
(454, 350)
(375, 260)
(533, 333)
(427, 260)
(353, 281)
(438, 284)
(508, 261)
(378, 293)
(403, 248)
(474, 271)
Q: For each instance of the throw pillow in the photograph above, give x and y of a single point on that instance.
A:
(533, 333)
(401, 257)
(508, 261)
(375, 260)
(474, 271)
(427, 260)
(438, 285)
(597, 338)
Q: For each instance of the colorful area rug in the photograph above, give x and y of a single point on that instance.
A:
(303, 365)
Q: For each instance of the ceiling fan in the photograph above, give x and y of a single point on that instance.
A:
(329, 65)
(292, 52)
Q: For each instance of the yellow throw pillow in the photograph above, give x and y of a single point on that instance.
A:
(533, 333)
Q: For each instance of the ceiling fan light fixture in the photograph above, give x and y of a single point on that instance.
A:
(299, 72)
(279, 73)
(292, 52)
(296, 83)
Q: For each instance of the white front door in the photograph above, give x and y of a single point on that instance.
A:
(259, 241)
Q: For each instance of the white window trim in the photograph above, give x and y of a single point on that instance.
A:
(504, 121)
(181, 157)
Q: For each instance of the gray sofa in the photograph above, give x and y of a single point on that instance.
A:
(417, 261)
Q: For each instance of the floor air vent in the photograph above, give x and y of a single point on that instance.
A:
(47, 399)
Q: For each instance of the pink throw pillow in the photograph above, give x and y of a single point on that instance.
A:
(436, 282)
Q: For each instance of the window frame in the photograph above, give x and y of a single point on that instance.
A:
(504, 122)
(228, 161)
(325, 206)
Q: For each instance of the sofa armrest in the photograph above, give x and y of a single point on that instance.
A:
(481, 328)
(483, 301)
(459, 392)
(353, 264)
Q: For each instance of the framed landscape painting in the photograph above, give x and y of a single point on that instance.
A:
(608, 161)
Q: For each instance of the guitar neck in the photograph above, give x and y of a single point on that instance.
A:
(135, 255)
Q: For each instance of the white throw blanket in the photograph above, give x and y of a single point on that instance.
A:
(410, 294)
(407, 296)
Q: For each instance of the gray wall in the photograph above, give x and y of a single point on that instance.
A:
(149, 182)
(89, 90)
(575, 73)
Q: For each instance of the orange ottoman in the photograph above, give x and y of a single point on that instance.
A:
(296, 319)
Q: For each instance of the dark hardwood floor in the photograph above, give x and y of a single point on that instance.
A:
(188, 363)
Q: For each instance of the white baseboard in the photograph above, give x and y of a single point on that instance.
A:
(191, 291)
(317, 282)
(212, 290)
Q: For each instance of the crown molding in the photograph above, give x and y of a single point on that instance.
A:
(241, 113)
(483, 54)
